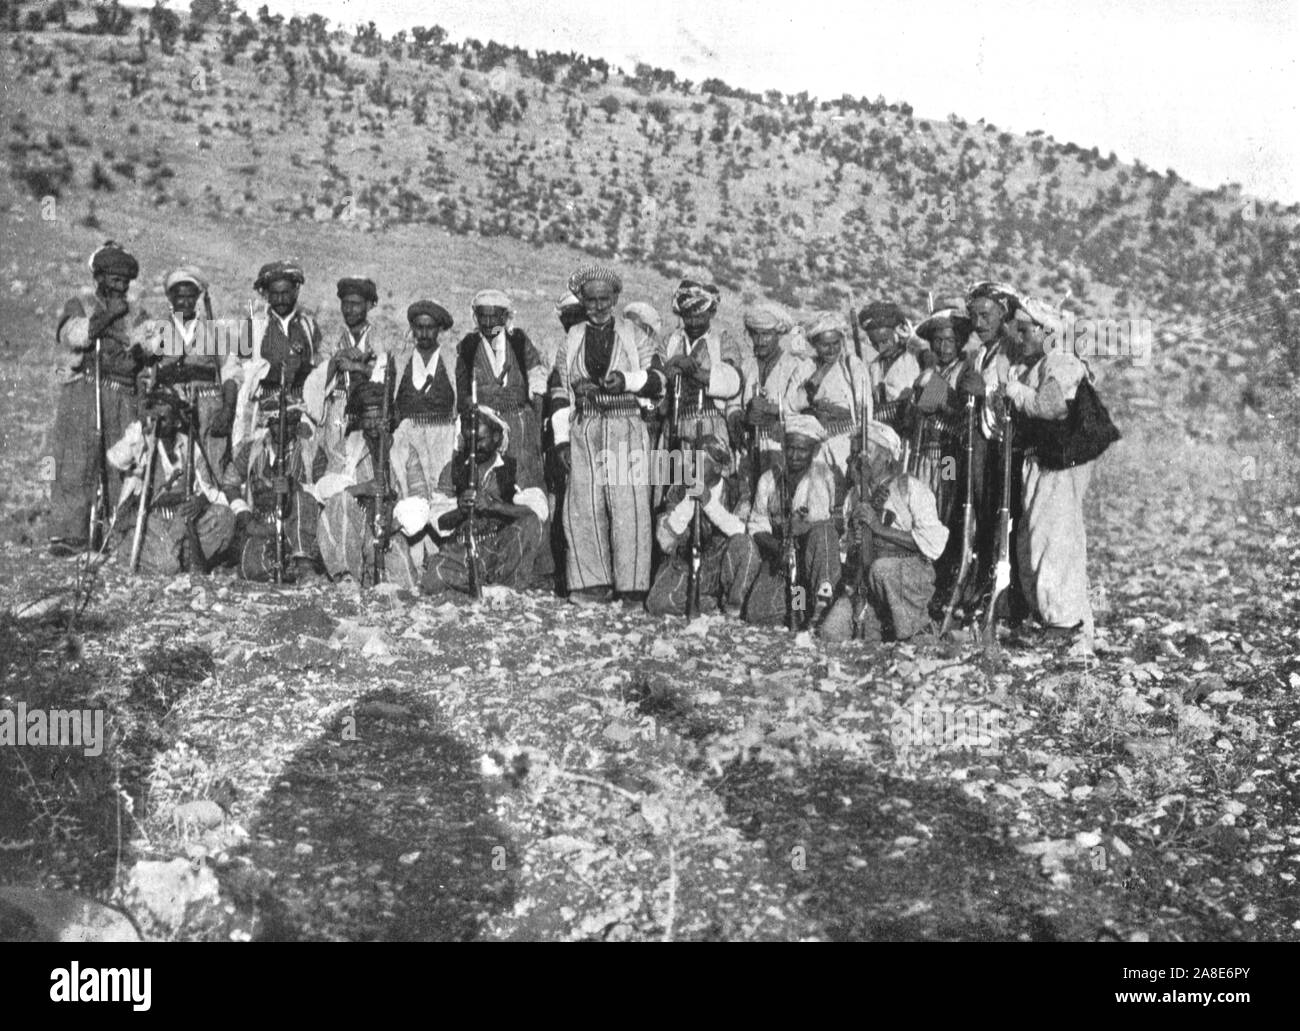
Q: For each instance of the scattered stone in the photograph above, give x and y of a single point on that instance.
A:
(173, 894)
(40, 915)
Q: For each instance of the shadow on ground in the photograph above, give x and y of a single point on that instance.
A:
(873, 857)
(379, 830)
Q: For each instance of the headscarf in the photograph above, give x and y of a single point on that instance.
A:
(645, 316)
(358, 285)
(954, 318)
(112, 260)
(825, 322)
(185, 274)
(884, 436)
(441, 316)
(955, 301)
(800, 425)
(1033, 310)
(881, 313)
(569, 300)
(273, 270)
(491, 299)
(695, 298)
(594, 274)
(766, 316)
(491, 416)
(1004, 295)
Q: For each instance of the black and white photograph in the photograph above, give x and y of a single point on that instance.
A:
(573, 471)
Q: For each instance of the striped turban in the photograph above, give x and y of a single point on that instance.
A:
(185, 274)
(823, 323)
(594, 274)
(112, 260)
(800, 425)
(440, 315)
(695, 298)
(273, 270)
(491, 299)
(1001, 293)
(766, 317)
(364, 288)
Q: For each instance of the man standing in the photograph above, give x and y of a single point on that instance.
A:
(75, 445)
(193, 365)
(721, 580)
(350, 362)
(424, 441)
(1051, 540)
(606, 374)
(702, 367)
(773, 388)
(838, 394)
(807, 486)
(507, 518)
(182, 490)
(894, 370)
(284, 348)
(510, 376)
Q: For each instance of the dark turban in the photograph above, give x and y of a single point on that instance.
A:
(274, 270)
(594, 274)
(112, 260)
(694, 298)
(885, 314)
(945, 318)
(1004, 295)
(363, 287)
(441, 316)
(366, 397)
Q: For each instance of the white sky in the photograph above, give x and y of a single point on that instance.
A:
(1208, 87)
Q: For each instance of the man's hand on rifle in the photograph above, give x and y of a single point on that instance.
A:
(799, 522)
(614, 382)
(191, 508)
(467, 500)
(769, 546)
(971, 382)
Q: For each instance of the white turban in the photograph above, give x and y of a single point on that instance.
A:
(804, 426)
(884, 436)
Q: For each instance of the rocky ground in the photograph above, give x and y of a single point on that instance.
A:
(325, 763)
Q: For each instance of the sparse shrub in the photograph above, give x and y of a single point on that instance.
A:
(611, 105)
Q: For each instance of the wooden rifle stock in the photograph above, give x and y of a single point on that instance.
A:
(967, 562)
(97, 529)
(471, 544)
(281, 440)
(381, 528)
(146, 487)
(693, 576)
(192, 557)
(1002, 540)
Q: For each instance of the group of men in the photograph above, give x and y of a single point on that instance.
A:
(810, 485)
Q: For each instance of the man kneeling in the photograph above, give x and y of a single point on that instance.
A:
(901, 539)
(185, 510)
(507, 521)
(721, 575)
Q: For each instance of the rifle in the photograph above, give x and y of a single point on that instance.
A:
(382, 473)
(1002, 540)
(97, 534)
(282, 500)
(471, 545)
(789, 554)
(967, 564)
(857, 332)
(146, 486)
(693, 577)
(192, 557)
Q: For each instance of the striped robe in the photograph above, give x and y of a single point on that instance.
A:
(607, 527)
